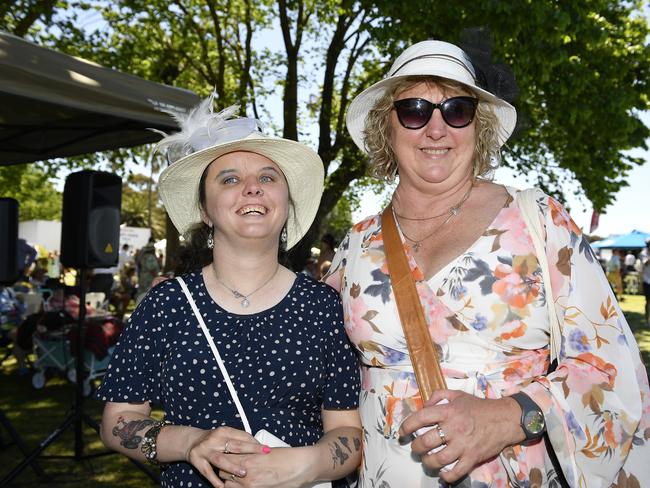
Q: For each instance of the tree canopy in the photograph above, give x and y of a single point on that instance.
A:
(38, 198)
(582, 69)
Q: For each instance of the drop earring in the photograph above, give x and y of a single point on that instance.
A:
(210, 242)
(283, 235)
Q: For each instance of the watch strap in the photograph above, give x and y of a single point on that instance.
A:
(528, 405)
(149, 446)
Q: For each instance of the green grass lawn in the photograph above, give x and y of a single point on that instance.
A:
(36, 413)
(633, 307)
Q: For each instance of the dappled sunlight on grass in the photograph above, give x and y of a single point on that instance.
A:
(36, 405)
(633, 307)
(35, 414)
(643, 337)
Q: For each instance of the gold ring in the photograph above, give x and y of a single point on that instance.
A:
(225, 448)
(442, 435)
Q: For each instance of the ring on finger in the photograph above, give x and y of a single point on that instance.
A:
(232, 477)
(441, 433)
(225, 448)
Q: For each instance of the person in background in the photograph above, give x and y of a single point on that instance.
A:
(26, 257)
(38, 277)
(629, 262)
(12, 311)
(310, 268)
(239, 198)
(125, 257)
(56, 300)
(148, 269)
(126, 290)
(438, 120)
(50, 316)
(324, 268)
(54, 265)
(614, 269)
(327, 248)
(646, 281)
(11, 308)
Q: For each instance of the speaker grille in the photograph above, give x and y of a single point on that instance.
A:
(104, 245)
(90, 231)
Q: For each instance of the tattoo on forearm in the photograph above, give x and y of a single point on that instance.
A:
(357, 444)
(345, 442)
(128, 431)
(338, 454)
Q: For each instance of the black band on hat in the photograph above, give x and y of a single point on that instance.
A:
(442, 56)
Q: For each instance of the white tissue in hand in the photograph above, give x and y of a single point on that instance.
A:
(423, 430)
(266, 438)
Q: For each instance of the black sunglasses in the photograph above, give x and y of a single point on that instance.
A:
(415, 113)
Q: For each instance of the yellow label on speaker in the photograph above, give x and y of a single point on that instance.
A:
(108, 249)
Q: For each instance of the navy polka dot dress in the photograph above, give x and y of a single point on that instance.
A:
(285, 362)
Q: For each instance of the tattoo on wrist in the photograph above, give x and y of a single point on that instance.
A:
(357, 444)
(128, 431)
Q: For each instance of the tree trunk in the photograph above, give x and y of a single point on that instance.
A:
(338, 183)
(173, 243)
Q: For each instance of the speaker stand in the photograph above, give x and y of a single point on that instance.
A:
(76, 418)
(15, 437)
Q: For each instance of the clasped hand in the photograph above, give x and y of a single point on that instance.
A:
(474, 430)
(241, 460)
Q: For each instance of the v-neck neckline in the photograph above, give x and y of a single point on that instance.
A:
(512, 192)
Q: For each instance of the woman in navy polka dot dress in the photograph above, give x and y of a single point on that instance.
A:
(238, 197)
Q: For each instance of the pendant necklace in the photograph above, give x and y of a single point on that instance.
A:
(453, 211)
(245, 302)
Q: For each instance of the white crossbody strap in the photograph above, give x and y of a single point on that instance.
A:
(217, 356)
(530, 213)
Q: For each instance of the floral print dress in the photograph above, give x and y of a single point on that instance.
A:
(487, 316)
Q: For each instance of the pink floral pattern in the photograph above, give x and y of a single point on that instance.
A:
(487, 316)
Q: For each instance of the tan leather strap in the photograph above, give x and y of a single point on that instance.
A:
(418, 340)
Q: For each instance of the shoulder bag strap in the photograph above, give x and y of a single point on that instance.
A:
(418, 340)
(217, 356)
(530, 213)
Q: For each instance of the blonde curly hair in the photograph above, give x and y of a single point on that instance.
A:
(377, 131)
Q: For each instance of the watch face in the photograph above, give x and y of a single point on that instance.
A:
(534, 422)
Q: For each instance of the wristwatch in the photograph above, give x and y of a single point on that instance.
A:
(532, 419)
(149, 446)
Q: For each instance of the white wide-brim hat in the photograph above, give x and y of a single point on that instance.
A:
(302, 167)
(428, 58)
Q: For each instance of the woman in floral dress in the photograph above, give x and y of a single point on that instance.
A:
(436, 122)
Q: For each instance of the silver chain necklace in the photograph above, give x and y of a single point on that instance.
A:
(245, 302)
(452, 212)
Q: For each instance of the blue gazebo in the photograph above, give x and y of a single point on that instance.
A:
(633, 240)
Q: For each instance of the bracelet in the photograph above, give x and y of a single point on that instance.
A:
(149, 443)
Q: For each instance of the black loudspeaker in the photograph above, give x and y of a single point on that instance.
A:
(90, 230)
(8, 241)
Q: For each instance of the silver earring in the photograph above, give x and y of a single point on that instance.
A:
(283, 235)
(210, 241)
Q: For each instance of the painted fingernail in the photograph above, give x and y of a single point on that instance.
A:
(266, 449)
(405, 439)
(241, 473)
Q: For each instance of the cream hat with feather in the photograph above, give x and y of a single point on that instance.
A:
(205, 136)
